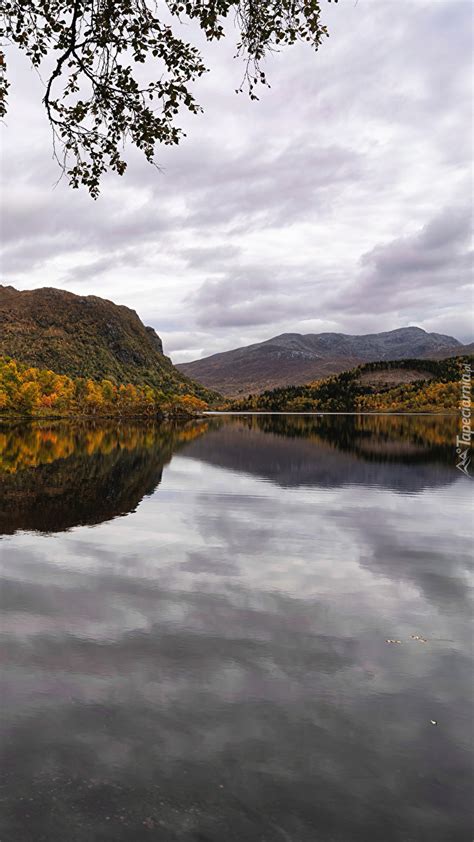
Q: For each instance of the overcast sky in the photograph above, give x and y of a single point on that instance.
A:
(338, 202)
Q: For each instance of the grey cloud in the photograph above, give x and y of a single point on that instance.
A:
(254, 295)
(439, 242)
(177, 340)
(34, 253)
(88, 271)
(415, 270)
(407, 277)
(276, 189)
(214, 257)
(351, 146)
(242, 190)
(260, 311)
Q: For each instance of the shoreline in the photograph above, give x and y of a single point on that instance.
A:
(180, 416)
(320, 412)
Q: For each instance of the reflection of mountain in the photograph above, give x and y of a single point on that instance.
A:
(331, 451)
(54, 477)
(215, 667)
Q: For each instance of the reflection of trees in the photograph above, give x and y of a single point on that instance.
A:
(404, 453)
(56, 476)
(382, 437)
(28, 446)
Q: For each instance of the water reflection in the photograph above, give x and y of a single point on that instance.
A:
(213, 666)
(55, 476)
(333, 451)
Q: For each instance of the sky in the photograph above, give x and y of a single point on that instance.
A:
(340, 201)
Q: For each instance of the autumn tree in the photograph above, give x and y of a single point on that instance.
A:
(93, 398)
(28, 396)
(109, 392)
(116, 70)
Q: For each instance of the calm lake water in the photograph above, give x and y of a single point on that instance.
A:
(195, 625)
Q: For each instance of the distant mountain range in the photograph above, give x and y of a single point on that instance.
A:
(85, 336)
(88, 336)
(294, 358)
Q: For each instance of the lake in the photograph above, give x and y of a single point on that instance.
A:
(195, 631)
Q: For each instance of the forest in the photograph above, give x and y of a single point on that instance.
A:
(35, 392)
(29, 391)
(351, 392)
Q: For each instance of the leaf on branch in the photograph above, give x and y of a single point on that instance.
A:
(95, 97)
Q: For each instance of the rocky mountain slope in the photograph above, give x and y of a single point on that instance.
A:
(294, 358)
(85, 336)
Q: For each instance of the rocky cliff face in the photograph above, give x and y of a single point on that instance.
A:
(293, 358)
(82, 336)
(154, 339)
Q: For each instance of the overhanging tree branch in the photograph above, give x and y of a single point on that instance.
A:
(102, 50)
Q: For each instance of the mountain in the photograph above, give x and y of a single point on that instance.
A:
(295, 358)
(85, 336)
(459, 351)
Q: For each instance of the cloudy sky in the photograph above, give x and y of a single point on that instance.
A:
(338, 202)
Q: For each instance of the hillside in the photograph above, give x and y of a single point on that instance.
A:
(86, 336)
(395, 386)
(38, 392)
(294, 359)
